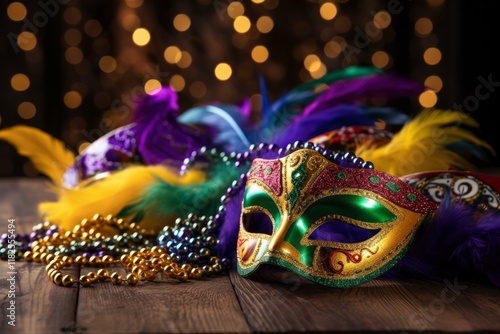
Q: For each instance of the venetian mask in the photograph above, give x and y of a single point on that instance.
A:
(333, 225)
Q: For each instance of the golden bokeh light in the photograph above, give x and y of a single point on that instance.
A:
(182, 22)
(72, 99)
(93, 28)
(198, 89)
(434, 82)
(83, 146)
(152, 86)
(72, 15)
(258, 1)
(342, 24)
(423, 27)
(130, 22)
(382, 19)
(72, 37)
(381, 59)
(134, 3)
(332, 49)
(73, 55)
(328, 11)
(141, 36)
(235, 9)
(16, 11)
(432, 56)
(26, 40)
(20, 82)
(223, 71)
(428, 99)
(172, 54)
(26, 110)
(242, 24)
(312, 63)
(319, 72)
(185, 60)
(177, 82)
(265, 24)
(107, 64)
(260, 54)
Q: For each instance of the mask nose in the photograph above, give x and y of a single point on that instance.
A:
(279, 244)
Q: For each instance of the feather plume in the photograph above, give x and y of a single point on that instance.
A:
(335, 118)
(160, 137)
(49, 155)
(426, 143)
(163, 198)
(111, 194)
(455, 243)
(225, 122)
(359, 89)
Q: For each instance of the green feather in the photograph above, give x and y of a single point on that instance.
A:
(163, 198)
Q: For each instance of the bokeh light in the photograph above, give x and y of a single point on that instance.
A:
(26, 110)
(20, 82)
(223, 71)
(428, 99)
(328, 11)
(141, 36)
(260, 54)
(16, 11)
(432, 56)
(182, 22)
(242, 24)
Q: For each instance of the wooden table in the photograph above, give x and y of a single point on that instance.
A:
(273, 301)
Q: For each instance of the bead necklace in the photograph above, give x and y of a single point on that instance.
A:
(182, 252)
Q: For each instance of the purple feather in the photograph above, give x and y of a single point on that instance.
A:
(160, 137)
(456, 243)
(359, 89)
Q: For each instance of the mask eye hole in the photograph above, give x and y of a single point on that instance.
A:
(339, 231)
(258, 222)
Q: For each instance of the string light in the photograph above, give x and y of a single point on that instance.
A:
(72, 99)
(172, 54)
(382, 19)
(134, 3)
(185, 60)
(177, 82)
(92, 28)
(141, 36)
(197, 89)
(107, 64)
(72, 37)
(223, 71)
(432, 56)
(73, 55)
(328, 11)
(428, 99)
(265, 24)
(260, 54)
(182, 22)
(242, 24)
(26, 110)
(72, 15)
(332, 49)
(20, 82)
(16, 11)
(235, 9)
(152, 86)
(434, 82)
(26, 41)
(380, 59)
(423, 27)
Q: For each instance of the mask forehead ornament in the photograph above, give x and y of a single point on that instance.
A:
(333, 225)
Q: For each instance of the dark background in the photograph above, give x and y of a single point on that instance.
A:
(464, 31)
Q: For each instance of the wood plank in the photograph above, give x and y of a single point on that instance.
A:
(161, 306)
(40, 306)
(279, 301)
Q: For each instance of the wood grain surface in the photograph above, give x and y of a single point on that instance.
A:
(270, 301)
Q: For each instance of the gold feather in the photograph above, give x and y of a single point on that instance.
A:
(48, 154)
(111, 194)
(421, 144)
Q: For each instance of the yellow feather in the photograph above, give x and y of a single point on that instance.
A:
(111, 194)
(49, 155)
(420, 145)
